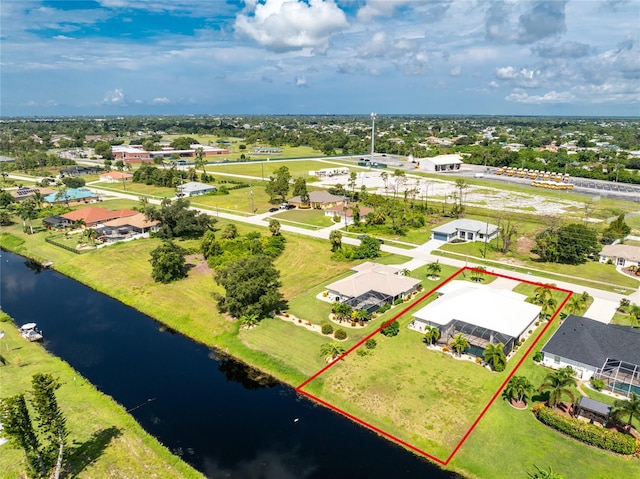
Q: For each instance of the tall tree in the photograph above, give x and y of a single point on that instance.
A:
(431, 335)
(570, 244)
(19, 430)
(335, 237)
(252, 286)
(433, 270)
(27, 212)
(200, 161)
(279, 184)
(50, 417)
(558, 384)
(300, 189)
(168, 262)
(617, 230)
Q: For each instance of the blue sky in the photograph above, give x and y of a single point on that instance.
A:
(125, 57)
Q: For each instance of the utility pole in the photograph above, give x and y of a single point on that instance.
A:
(253, 210)
(373, 134)
(486, 234)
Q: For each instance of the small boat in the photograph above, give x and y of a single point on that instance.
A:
(30, 332)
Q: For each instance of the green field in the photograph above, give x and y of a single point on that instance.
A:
(264, 169)
(315, 218)
(104, 441)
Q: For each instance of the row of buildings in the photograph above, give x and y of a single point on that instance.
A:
(137, 154)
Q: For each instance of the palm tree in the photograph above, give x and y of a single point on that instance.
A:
(559, 383)
(433, 269)
(575, 304)
(27, 212)
(335, 237)
(200, 161)
(405, 272)
(634, 312)
(362, 315)
(431, 335)
(477, 274)
(91, 235)
(494, 355)
(544, 474)
(630, 407)
(341, 311)
(541, 293)
(332, 350)
(274, 227)
(519, 388)
(459, 343)
(248, 321)
(547, 307)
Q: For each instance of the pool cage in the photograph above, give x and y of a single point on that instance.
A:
(620, 377)
(479, 337)
(370, 301)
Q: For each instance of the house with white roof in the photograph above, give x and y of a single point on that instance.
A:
(195, 188)
(467, 230)
(372, 286)
(481, 313)
(441, 163)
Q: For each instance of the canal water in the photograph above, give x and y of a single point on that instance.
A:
(220, 416)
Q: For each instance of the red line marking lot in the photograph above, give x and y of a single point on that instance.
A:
(412, 305)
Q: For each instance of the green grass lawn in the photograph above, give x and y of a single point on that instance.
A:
(114, 443)
(426, 398)
(139, 189)
(309, 217)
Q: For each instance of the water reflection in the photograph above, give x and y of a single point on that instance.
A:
(241, 373)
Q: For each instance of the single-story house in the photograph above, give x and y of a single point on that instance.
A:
(346, 214)
(319, 200)
(195, 188)
(126, 227)
(71, 195)
(468, 230)
(92, 216)
(56, 221)
(25, 192)
(621, 254)
(482, 314)
(116, 177)
(441, 163)
(77, 170)
(372, 286)
(608, 352)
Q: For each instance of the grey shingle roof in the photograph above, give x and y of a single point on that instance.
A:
(466, 225)
(591, 342)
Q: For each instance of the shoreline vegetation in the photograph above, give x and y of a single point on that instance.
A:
(274, 349)
(105, 437)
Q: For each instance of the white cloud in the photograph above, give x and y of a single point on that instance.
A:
(521, 77)
(163, 100)
(114, 97)
(520, 96)
(455, 71)
(283, 25)
(301, 82)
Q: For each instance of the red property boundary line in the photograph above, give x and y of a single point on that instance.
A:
(445, 462)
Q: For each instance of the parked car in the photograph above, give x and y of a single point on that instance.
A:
(290, 207)
(273, 210)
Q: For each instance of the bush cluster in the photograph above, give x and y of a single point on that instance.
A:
(384, 308)
(585, 432)
(327, 328)
(391, 330)
(398, 301)
(340, 334)
(370, 343)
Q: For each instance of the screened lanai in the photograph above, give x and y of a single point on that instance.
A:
(620, 377)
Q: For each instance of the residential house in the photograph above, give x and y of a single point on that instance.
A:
(25, 192)
(319, 200)
(116, 177)
(608, 352)
(92, 216)
(482, 314)
(372, 286)
(467, 230)
(126, 227)
(621, 255)
(72, 195)
(345, 214)
(195, 188)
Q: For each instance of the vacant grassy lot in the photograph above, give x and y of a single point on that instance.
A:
(426, 398)
(104, 440)
(139, 189)
(264, 169)
(309, 217)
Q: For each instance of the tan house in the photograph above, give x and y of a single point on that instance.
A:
(116, 177)
(372, 286)
(127, 227)
(319, 200)
(621, 255)
(345, 213)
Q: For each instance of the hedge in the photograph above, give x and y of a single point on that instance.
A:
(585, 432)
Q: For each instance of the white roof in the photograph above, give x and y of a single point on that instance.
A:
(466, 225)
(452, 159)
(195, 186)
(502, 311)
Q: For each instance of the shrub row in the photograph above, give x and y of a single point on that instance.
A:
(585, 432)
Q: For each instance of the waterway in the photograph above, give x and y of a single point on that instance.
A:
(220, 416)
